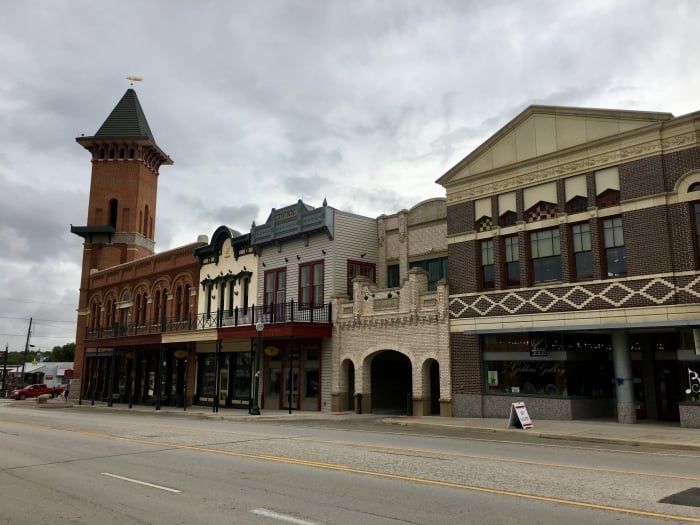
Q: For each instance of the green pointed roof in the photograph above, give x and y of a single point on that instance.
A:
(127, 120)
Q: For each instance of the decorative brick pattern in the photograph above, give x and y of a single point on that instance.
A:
(541, 211)
(629, 293)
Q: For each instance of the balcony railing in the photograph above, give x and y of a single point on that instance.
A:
(290, 312)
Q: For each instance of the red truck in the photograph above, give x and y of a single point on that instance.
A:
(37, 390)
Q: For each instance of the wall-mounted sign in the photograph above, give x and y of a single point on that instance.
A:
(180, 354)
(538, 345)
(271, 351)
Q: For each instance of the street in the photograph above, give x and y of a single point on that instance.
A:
(78, 466)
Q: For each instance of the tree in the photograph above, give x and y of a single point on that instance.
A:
(63, 353)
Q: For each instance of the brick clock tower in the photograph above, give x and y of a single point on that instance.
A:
(122, 207)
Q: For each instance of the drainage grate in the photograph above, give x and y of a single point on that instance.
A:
(689, 498)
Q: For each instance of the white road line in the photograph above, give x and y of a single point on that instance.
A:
(140, 482)
(281, 517)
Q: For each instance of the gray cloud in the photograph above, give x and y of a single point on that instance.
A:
(260, 104)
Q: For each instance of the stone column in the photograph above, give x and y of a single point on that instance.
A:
(624, 388)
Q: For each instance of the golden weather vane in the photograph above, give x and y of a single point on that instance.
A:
(134, 78)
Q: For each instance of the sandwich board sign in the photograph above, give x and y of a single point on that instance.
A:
(519, 417)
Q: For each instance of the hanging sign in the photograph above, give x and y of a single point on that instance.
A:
(271, 351)
(180, 354)
(519, 418)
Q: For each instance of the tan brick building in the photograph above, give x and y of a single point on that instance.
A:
(390, 339)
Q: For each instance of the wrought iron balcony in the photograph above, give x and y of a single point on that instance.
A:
(290, 312)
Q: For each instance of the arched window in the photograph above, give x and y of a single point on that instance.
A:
(113, 207)
(178, 303)
(164, 304)
(156, 308)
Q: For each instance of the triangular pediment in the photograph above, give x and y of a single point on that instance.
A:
(545, 130)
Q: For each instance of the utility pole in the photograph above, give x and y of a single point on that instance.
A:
(4, 370)
(26, 347)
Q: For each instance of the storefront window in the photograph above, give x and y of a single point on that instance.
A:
(548, 364)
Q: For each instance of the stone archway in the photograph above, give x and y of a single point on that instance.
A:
(391, 383)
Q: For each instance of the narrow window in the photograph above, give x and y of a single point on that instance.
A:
(356, 268)
(512, 254)
(488, 275)
(546, 256)
(146, 220)
(311, 284)
(583, 256)
(113, 207)
(392, 276)
(436, 268)
(615, 255)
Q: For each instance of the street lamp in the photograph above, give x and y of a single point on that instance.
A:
(255, 410)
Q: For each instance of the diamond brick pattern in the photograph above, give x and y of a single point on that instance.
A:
(655, 291)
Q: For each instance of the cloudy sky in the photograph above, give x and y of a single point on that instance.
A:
(364, 103)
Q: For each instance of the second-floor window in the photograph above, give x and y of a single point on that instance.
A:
(436, 268)
(393, 276)
(357, 268)
(512, 255)
(546, 255)
(583, 256)
(275, 286)
(311, 284)
(615, 256)
(488, 275)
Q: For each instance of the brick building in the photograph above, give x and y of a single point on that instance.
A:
(574, 265)
(391, 339)
(130, 296)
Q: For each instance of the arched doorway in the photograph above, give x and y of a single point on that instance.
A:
(347, 400)
(391, 383)
(434, 388)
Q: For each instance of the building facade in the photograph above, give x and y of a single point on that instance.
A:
(391, 338)
(574, 265)
(130, 296)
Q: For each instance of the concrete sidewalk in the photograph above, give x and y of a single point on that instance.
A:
(648, 433)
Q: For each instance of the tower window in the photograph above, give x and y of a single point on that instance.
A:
(113, 207)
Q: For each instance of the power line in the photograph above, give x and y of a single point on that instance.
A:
(13, 300)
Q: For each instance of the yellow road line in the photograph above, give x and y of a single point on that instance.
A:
(344, 468)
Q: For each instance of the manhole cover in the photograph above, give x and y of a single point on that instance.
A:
(689, 498)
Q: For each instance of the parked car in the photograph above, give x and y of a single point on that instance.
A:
(37, 390)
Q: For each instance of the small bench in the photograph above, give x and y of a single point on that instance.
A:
(43, 398)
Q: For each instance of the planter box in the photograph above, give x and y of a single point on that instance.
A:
(690, 415)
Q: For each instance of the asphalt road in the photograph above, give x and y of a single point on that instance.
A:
(71, 466)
